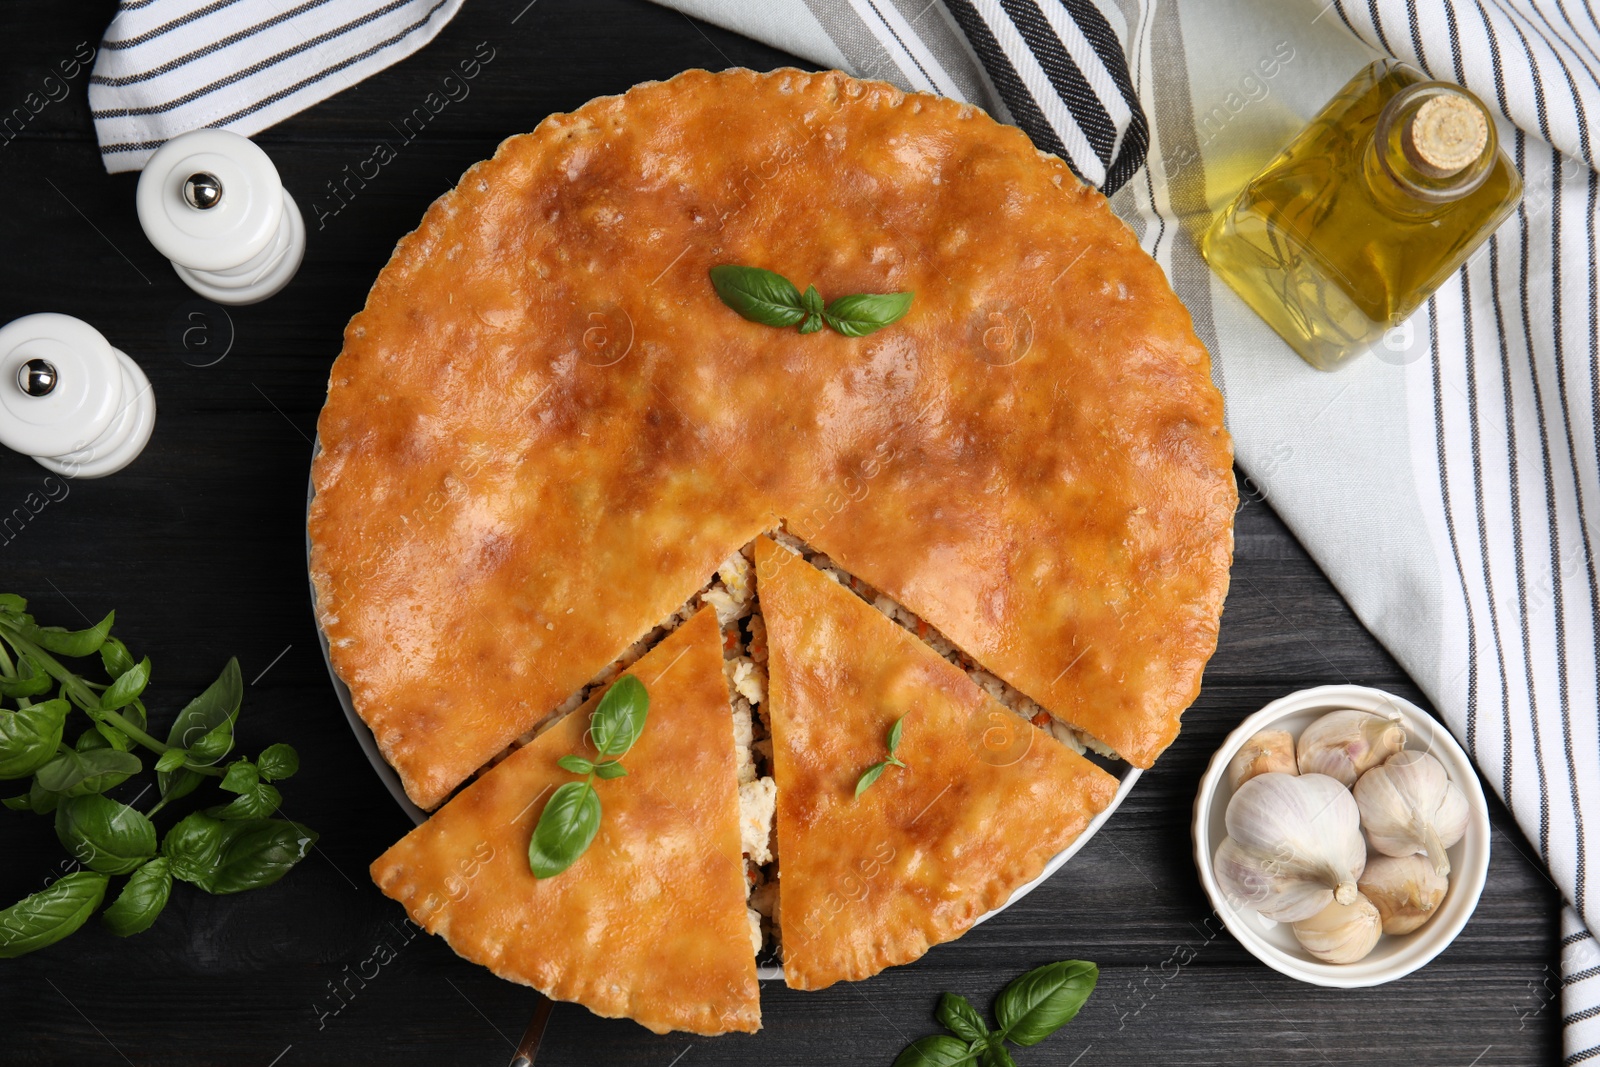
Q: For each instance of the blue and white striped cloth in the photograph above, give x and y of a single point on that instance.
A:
(1448, 483)
(166, 67)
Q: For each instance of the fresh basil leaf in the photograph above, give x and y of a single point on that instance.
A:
(104, 835)
(32, 680)
(116, 658)
(610, 769)
(219, 703)
(257, 802)
(171, 760)
(99, 736)
(50, 914)
(870, 775)
(75, 774)
(894, 734)
(177, 783)
(214, 744)
(12, 604)
(759, 295)
(104, 735)
(1045, 999)
(863, 313)
(575, 764)
(192, 845)
(18, 803)
(570, 819)
(40, 799)
(995, 1054)
(72, 643)
(278, 762)
(620, 716)
(961, 1018)
(812, 324)
(141, 900)
(256, 853)
(811, 300)
(231, 856)
(29, 737)
(935, 1050)
(242, 776)
(126, 689)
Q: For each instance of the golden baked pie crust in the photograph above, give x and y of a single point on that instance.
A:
(650, 922)
(873, 881)
(545, 431)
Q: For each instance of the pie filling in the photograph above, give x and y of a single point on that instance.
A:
(731, 592)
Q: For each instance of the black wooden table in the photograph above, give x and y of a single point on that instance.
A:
(199, 547)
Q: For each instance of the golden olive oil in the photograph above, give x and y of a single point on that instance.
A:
(1369, 209)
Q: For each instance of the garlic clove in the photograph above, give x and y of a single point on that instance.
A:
(1409, 805)
(1406, 890)
(1294, 845)
(1345, 744)
(1341, 933)
(1269, 750)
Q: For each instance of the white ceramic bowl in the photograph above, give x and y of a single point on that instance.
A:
(1273, 943)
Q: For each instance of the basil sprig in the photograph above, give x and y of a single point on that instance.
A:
(225, 849)
(769, 298)
(1028, 1010)
(874, 772)
(571, 816)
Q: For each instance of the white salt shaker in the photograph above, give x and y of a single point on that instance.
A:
(212, 202)
(70, 400)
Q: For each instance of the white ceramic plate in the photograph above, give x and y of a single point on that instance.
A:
(1125, 772)
(1273, 943)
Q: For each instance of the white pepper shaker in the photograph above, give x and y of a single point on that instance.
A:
(78, 406)
(212, 202)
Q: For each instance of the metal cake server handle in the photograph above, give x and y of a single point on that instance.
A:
(528, 1047)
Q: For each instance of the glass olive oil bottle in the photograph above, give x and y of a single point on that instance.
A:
(1371, 207)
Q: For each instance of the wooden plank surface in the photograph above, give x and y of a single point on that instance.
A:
(200, 549)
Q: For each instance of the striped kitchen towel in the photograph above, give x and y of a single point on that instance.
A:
(1448, 482)
(1057, 70)
(169, 66)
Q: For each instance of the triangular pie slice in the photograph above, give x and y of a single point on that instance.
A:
(984, 800)
(649, 923)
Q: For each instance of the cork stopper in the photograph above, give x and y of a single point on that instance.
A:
(1447, 134)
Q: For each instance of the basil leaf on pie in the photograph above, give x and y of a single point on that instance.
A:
(570, 820)
(759, 295)
(862, 313)
(619, 719)
(870, 775)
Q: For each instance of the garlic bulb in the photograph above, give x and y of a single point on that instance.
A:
(1409, 805)
(1344, 744)
(1340, 933)
(1293, 846)
(1269, 750)
(1406, 890)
